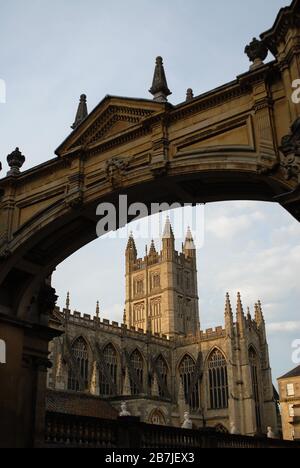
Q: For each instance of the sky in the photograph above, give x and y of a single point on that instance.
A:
(51, 52)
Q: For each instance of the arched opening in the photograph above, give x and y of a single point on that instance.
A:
(255, 380)
(163, 374)
(220, 428)
(78, 373)
(190, 384)
(137, 374)
(108, 374)
(157, 418)
(218, 380)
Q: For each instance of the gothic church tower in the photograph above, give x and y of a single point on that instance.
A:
(161, 288)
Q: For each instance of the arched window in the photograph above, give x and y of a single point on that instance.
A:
(157, 418)
(253, 361)
(108, 372)
(218, 380)
(155, 311)
(79, 378)
(191, 388)
(138, 370)
(162, 369)
(221, 429)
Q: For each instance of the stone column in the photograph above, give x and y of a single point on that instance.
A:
(23, 383)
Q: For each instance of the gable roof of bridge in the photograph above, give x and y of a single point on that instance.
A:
(112, 116)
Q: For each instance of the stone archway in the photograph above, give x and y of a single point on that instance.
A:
(239, 141)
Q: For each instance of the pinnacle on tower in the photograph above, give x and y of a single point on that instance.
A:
(249, 317)
(97, 309)
(168, 242)
(152, 251)
(189, 241)
(240, 310)
(159, 89)
(168, 231)
(131, 247)
(82, 112)
(228, 308)
(240, 314)
(259, 316)
(228, 315)
(68, 301)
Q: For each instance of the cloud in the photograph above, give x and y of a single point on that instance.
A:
(227, 227)
(283, 327)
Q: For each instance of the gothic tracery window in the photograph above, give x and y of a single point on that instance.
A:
(157, 418)
(162, 369)
(253, 361)
(78, 379)
(155, 308)
(109, 374)
(139, 287)
(137, 363)
(218, 380)
(139, 315)
(187, 372)
(155, 281)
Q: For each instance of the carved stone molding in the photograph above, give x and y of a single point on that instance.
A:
(115, 170)
(47, 299)
(290, 149)
(159, 169)
(76, 201)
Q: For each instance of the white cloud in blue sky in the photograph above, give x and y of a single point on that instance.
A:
(54, 51)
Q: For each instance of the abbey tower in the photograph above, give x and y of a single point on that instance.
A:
(161, 288)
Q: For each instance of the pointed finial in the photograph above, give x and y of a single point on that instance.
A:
(249, 317)
(240, 310)
(131, 250)
(15, 161)
(82, 112)
(168, 231)
(68, 301)
(97, 309)
(228, 308)
(189, 95)
(152, 251)
(259, 316)
(159, 89)
(189, 241)
(240, 315)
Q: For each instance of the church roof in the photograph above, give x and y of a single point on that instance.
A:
(293, 373)
(79, 404)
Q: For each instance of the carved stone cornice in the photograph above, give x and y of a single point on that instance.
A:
(290, 151)
(288, 18)
(264, 103)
